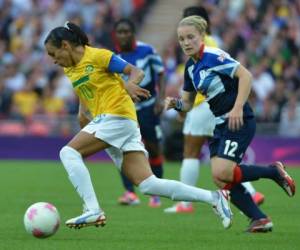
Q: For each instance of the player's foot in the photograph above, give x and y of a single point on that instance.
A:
(154, 201)
(129, 198)
(222, 208)
(284, 180)
(263, 225)
(180, 207)
(258, 198)
(88, 218)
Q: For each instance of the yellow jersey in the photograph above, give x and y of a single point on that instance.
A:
(26, 101)
(209, 41)
(100, 91)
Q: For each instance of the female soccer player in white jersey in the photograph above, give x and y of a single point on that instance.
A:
(226, 84)
(94, 74)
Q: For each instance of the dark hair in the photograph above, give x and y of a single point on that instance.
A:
(126, 21)
(197, 11)
(70, 32)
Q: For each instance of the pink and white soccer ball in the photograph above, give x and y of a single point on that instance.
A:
(41, 219)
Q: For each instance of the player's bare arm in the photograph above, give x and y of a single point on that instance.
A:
(136, 75)
(159, 105)
(235, 116)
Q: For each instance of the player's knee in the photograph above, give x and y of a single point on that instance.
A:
(222, 174)
(67, 153)
(147, 186)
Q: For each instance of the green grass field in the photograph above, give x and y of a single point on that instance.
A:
(142, 228)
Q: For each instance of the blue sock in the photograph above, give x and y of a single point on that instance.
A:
(127, 183)
(157, 170)
(254, 172)
(243, 201)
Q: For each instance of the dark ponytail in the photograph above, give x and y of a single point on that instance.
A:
(70, 32)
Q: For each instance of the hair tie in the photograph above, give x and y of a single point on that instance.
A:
(66, 25)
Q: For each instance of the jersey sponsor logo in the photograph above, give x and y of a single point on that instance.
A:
(203, 74)
(80, 81)
(221, 57)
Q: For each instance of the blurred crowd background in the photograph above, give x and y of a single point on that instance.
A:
(37, 99)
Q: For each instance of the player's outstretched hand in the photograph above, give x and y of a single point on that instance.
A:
(170, 102)
(136, 92)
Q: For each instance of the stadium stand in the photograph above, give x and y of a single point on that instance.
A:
(36, 98)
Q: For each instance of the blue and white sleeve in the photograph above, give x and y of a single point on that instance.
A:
(222, 63)
(117, 64)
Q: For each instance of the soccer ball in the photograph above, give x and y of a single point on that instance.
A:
(41, 219)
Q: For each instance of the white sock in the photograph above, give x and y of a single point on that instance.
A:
(80, 177)
(176, 190)
(189, 173)
(249, 187)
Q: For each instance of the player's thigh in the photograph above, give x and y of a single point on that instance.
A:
(136, 166)
(87, 144)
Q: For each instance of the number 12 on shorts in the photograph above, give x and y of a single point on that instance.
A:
(230, 148)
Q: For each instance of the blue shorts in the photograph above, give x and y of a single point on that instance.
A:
(232, 145)
(149, 124)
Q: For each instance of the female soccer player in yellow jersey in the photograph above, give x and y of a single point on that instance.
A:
(94, 74)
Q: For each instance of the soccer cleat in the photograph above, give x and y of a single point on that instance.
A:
(222, 208)
(284, 180)
(180, 207)
(154, 201)
(129, 198)
(258, 198)
(263, 225)
(88, 218)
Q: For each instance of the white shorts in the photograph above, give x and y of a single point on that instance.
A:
(121, 133)
(200, 121)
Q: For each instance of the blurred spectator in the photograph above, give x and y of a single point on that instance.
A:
(268, 112)
(263, 35)
(280, 97)
(263, 83)
(13, 78)
(5, 99)
(290, 118)
(52, 105)
(25, 102)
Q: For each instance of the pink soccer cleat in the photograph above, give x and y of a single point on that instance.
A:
(258, 198)
(263, 225)
(180, 207)
(285, 181)
(129, 198)
(154, 201)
